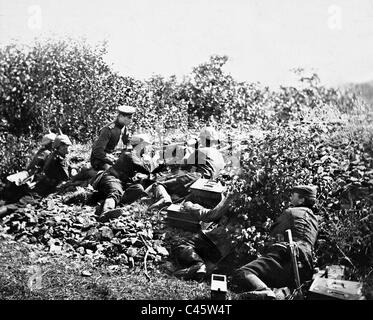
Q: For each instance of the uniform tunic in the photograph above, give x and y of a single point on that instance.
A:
(38, 160)
(105, 144)
(55, 171)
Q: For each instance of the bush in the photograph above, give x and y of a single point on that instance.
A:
(15, 153)
(312, 134)
(334, 157)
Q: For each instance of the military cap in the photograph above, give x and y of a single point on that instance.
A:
(209, 133)
(140, 138)
(307, 191)
(48, 138)
(62, 139)
(126, 109)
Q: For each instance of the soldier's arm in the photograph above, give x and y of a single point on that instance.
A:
(125, 138)
(283, 222)
(37, 161)
(220, 210)
(138, 166)
(99, 146)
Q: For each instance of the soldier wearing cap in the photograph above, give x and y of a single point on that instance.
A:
(18, 187)
(56, 168)
(41, 155)
(102, 149)
(117, 184)
(274, 269)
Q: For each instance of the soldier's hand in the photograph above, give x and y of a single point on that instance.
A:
(111, 158)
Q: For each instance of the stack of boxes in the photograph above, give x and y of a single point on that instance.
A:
(204, 192)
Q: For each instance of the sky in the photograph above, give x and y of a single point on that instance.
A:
(263, 39)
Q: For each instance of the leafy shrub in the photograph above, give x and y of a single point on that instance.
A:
(309, 133)
(15, 153)
(334, 157)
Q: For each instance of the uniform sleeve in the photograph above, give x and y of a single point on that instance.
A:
(125, 137)
(64, 170)
(98, 150)
(36, 161)
(282, 223)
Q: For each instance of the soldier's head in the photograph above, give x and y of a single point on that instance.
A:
(125, 114)
(303, 195)
(61, 144)
(47, 140)
(208, 137)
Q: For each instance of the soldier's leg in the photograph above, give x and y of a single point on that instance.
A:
(84, 174)
(161, 196)
(191, 253)
(111, 188)
(133, 193)
(98, 165)
(272, 270)
(245, 280)
(185, 252)
(181, 183)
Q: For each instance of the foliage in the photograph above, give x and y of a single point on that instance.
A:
(312, 134)
(15, 153)
(335, 158)
(66, 84)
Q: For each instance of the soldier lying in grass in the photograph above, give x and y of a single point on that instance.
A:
(271, 270)
(117, 184)
(274, 268)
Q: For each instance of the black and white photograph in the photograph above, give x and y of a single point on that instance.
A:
(188, 157)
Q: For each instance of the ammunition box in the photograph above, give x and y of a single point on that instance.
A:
(334, 289)
(206, 193)
(178, 219)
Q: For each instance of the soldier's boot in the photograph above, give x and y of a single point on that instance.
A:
(107, 205)
(282, 293)
(257, 289)
(195, 272)
(187, 256)
(162, 197)
(264, 294)
(112, 214)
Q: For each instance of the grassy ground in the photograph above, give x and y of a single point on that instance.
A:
(27, 272)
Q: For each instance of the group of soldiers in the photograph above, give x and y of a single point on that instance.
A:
(119, 181)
